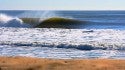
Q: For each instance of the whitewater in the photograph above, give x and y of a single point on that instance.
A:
(19, 39)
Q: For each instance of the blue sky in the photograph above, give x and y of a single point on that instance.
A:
(62, 4)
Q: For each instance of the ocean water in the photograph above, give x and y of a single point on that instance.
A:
(103, 36)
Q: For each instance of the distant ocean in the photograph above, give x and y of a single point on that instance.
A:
(103, 35)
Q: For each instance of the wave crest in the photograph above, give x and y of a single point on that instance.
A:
(9, 21)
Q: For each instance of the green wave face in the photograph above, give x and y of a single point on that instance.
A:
(32, 21)
(54, 22)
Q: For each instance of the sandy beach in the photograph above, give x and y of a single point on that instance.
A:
(29, 63)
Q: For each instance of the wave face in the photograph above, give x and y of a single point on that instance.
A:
(8, 21)
(57, 22)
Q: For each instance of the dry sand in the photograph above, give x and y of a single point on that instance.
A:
(27, 63)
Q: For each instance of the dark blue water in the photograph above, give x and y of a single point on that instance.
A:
(95, 19)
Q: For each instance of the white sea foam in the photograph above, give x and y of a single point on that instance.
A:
(83, 39)
(9, 21)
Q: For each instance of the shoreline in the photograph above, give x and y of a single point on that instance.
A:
(31, 63)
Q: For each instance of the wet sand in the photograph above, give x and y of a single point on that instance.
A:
(28, 63)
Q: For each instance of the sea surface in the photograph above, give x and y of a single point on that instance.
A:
(103, 36)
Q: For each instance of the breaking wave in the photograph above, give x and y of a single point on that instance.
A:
(56, 22)
(9, 21)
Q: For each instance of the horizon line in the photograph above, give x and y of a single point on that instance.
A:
(68, 9)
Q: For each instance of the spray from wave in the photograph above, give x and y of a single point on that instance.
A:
(42, 15)
(9, 21)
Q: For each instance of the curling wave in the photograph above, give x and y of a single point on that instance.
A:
(9, 21)
(54, 22)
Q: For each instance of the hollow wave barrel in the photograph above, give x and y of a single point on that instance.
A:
(54, 22)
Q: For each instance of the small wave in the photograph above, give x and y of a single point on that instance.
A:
(66, 46)
(9, 21)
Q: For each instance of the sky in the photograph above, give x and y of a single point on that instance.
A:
(62, 4)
